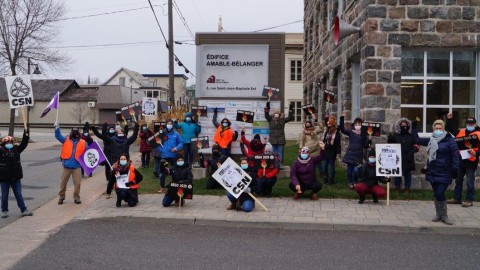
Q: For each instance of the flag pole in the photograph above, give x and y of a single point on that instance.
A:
(24, 118)
(106, 159)
(58, 107)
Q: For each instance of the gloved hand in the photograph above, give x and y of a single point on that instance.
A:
(215, 111)
(416, 147)
(247, 190)
(454, 174)
(322, 145)
(56, 125)
(424, 169)
(128, 184)
(268, 104)
(290, 108)
(414, 124)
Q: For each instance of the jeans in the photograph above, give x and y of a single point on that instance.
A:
(17, 191)
(408, 180)
(226, 151)
(167, 200)
(156, 165)
(247, 204)
(188, 153)
(163, 176)
(127, 196)
(329, 163)
(439, 190)
(278, 150)
(352, 173)
(265, 185)
(145, 159)
(470, 175)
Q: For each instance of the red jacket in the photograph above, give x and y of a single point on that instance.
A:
(145, 147)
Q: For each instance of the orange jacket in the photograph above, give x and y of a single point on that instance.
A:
(223, 136)
(67, 149)
(462, 133)
(131, 177)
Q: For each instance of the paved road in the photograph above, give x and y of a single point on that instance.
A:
(123, 243)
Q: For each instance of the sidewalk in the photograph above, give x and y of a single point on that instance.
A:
(26, 234)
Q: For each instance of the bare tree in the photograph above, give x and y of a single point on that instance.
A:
(28, 29)
(79, 112)
(93, 115)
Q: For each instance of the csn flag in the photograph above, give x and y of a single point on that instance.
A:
(52, 105)
(91, 158)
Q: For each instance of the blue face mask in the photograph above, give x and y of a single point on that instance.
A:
(372, 160)
(169, 127)
(303, 156)
(111, 131)
(180, 163)
(188, 119)
(123, 162)
(244, 166)
(225, 124)
(437, 133)
(144, 129)
(470, 128)
(85, 134)
(9, 146)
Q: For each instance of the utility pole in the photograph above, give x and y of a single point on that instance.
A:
(171, 79)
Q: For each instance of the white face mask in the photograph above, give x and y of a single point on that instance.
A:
(276, 115)
(358, 127)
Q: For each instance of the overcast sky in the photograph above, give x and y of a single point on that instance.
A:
(150, 55)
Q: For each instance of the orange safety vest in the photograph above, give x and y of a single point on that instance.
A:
(463, 133)
(67, 149)
(223, 137)
(131, 177)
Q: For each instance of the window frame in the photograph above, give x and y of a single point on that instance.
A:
(295, 108)
(298, 65)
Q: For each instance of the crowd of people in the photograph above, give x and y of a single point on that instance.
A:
(318, 149)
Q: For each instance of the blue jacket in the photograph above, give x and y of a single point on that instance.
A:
(70, 163)
(174, 141)
(189, 130)
(440, 170)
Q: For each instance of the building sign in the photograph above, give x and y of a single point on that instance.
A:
(232, 70)
(19, 90)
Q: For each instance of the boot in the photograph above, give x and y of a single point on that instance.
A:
(438, 216)
(375, 198)
(443, 213)
(362, 199)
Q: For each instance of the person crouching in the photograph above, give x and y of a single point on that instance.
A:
(126, 179)
(182, 174)
(368, 180)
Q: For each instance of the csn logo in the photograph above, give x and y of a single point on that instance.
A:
(213, 79)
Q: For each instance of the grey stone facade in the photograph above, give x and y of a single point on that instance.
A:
(387, 27)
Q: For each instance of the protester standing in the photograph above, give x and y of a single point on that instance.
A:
(302, 173)
(88, 139)
(169, 149)
(145, 148)
(276, 124)
(190, 129)
(110, 131)
(11, 172)
(332, 140)
(129, 192)
(225, 135)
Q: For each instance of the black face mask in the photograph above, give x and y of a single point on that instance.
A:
(404, 129)
(256, 145)
(75, 135)
(215, 154)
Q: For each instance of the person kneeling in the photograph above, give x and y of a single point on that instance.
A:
(368, 180)
(127, 179)
(181, 174)
(245, 201)
(302, 173)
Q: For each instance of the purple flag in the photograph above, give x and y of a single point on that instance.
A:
(52, 105)
(91, 158)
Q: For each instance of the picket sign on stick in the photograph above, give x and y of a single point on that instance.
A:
(388, 163)
(24, 118)
(388, 191)
(258, 201)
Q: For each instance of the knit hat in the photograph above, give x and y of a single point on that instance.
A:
(471, 120)
(438, 122)
(8, 139)
(371, 152)
(304, 150)
(257, 137)
(169, 121)
(188, 114)
(268, 147)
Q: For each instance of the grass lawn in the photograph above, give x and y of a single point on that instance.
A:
(340, 189)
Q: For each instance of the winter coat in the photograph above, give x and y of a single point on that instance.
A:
(356, 144)
(145, 146)
(368, 175)
(106, 145)
(440, 170)
(223, 136)
(277, 127)
(189, 130)
(121, 144)
(181, 174)
(406, 141)
(332, 147)
(137, 177)
(77, 146)
(309, 138)
(174, 140)
(10, 164)
(305, 173)
(464, 163)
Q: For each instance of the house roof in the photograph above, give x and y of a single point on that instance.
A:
(43, 90)
(80, 94)
(137, 77)
(116, 96)
(166, 75)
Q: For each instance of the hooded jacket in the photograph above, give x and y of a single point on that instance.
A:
(10, 164)
(145, 146)
(406, 140)
(224, 135)
(190, 129)
(174, 140)
(309, 138)
(277, 126)
(121, 144)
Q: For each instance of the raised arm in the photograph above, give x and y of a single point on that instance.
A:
(290, 114)
(134, 136)
(214, 119)
(342, 125)
(25, 139)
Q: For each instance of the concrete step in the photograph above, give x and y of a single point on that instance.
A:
(200, 173)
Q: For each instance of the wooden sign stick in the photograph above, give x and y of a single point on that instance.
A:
(257, 201)
(24, 118)
(388, 191)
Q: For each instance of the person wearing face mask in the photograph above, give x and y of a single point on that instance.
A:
(309, 138)
(244, 202)
(276, 124)
(169, 148)
(190, 129)
(403, 136)
(224, 136)
(302, 173)
(72, 148)
(368, 180)
(145, 148)
(356, 143)
(251, 148)
(212, 165)
(182, 174)
(11, 172)
(332, 140)
(442, 166)
(87, 138)
(467, 166)
(267, 177)
(124, 170)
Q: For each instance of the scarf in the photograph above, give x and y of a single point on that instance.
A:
(356, 131)
(304, 161)
(432, 146)
(309, 131)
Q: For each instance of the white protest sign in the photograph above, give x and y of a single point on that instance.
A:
(233, 178)
(122, 180)
(389, 160)
(19, 89)
(149, 106)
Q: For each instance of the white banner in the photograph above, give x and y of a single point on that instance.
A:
(233, 178)
(20, 92)
(389, 159)
(232, 70)
(149, 106)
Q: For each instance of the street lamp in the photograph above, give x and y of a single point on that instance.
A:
(37, 72)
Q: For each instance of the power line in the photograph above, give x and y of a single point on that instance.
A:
(101, 14)
(278, 26)
(182, 18)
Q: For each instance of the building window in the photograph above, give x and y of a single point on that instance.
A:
(297, 110)
(122, 81)
(296, 70)
(436, 83)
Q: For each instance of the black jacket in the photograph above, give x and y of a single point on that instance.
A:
(121, 145)
(10, 164)
(406, 141)
(368, 176)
